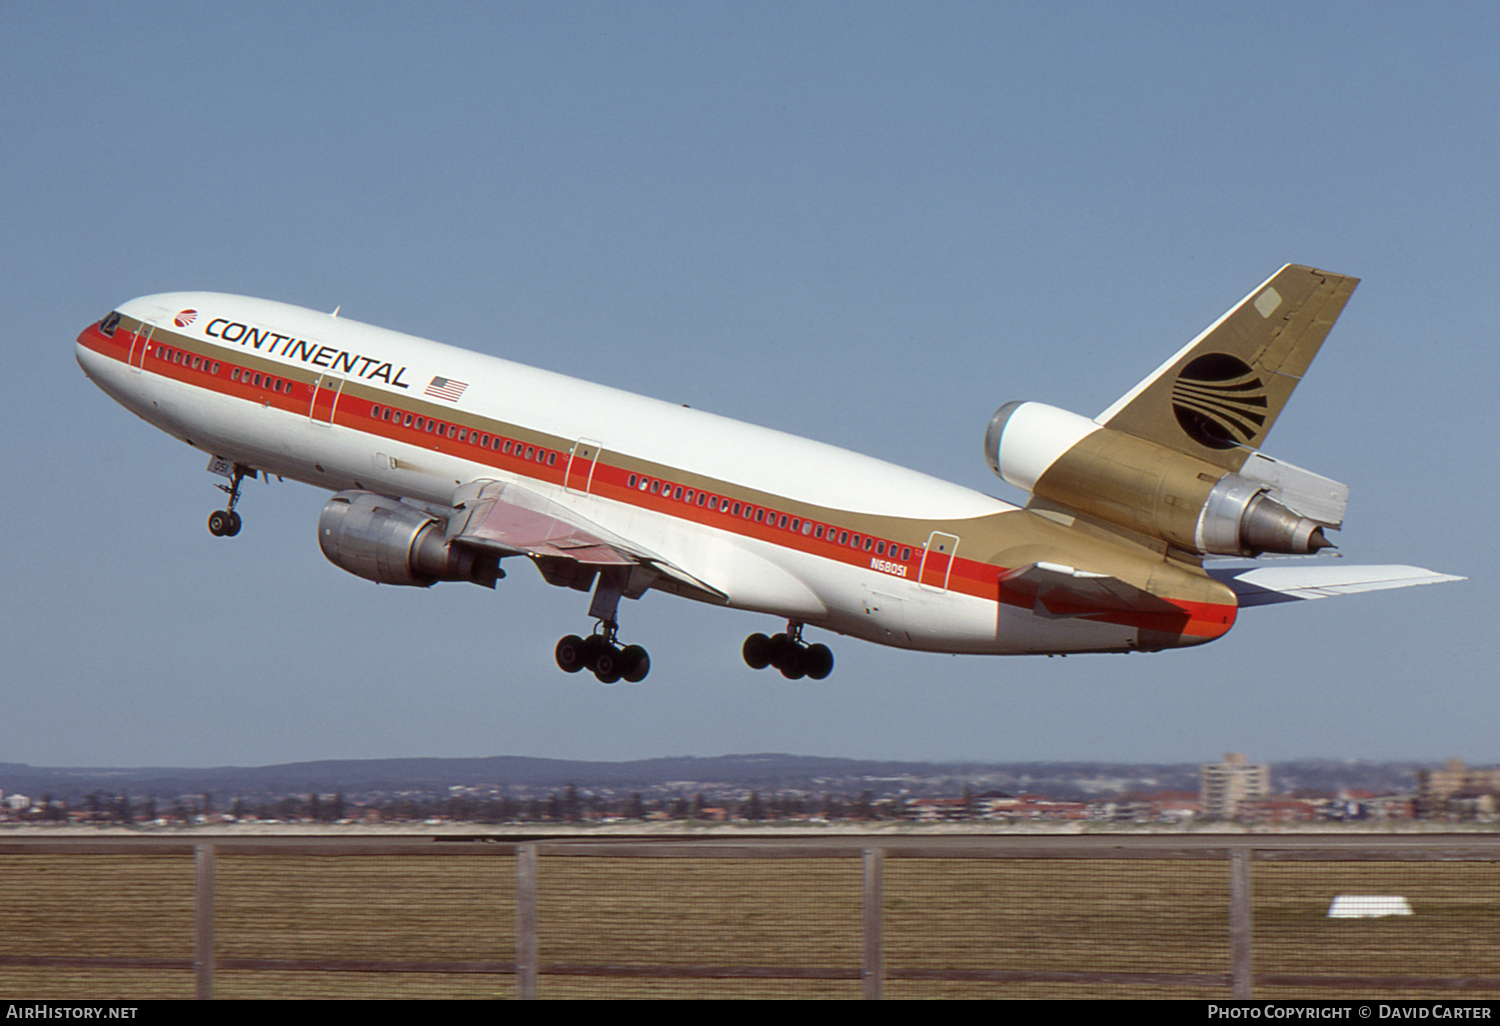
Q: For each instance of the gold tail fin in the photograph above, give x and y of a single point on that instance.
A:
(1218, 397)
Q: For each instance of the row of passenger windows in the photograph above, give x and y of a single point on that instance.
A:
(261, 380)
(195, 362)
(189, 360)
(505, 446)
(761, 515)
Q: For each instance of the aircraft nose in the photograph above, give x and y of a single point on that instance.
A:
(87, 358)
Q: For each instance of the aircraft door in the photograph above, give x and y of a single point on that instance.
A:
(579, 475)
(139, 345)
(937, 561)
(325, 399)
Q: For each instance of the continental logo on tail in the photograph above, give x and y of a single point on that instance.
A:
(1220, 401)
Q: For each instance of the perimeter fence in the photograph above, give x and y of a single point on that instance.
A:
(986, 916)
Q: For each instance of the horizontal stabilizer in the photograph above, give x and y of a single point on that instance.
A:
(1260, 586)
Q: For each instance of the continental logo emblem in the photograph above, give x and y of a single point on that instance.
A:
(1219, 401)
(185, 317)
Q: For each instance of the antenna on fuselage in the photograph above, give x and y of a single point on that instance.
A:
(336, 310)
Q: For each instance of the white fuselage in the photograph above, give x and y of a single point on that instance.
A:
(868, 549)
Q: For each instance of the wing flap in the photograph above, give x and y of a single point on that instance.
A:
(505, 517)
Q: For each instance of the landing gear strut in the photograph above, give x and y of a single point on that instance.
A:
(789, 654)
(599, 653)
(225, 523)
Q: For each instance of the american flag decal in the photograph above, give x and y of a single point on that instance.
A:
(446, 388)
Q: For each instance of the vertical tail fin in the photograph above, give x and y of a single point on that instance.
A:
(1218, 397)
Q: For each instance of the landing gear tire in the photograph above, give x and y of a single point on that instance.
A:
(218, 523)
(637, 663)
(792, 663)
(609, 665)
(757, 651)
(235, 523)
(819, 661)
(570, 654)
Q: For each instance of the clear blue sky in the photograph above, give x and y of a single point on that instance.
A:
(867, 223)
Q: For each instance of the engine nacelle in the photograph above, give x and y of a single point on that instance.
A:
(1135, 483)
(391, 542)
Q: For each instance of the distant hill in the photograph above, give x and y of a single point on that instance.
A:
(524, 776)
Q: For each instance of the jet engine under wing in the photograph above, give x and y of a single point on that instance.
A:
(1058, 592)
(1263, 585)
(512, 520)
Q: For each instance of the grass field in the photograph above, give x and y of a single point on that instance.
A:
(450, 923)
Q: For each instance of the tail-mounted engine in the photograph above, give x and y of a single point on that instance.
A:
(1266, 506)
(391, 542)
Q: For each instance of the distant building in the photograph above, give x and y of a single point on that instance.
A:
(1224, 785)
(1457, 789)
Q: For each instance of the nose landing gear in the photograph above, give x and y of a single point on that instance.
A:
(788, 654)
(225, 523)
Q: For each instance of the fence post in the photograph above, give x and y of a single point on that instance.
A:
(872, 969)
(1241, 926)
(526, 921)
(203, 920)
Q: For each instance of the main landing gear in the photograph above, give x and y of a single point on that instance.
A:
(788, 654)
(225, 523)
(599, 653)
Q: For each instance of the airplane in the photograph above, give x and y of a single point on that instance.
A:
(445, 462)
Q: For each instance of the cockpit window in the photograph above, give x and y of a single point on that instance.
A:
(110, 323)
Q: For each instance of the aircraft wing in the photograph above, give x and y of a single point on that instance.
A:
(509, 519)
(1059, 592)
(1264, 585)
